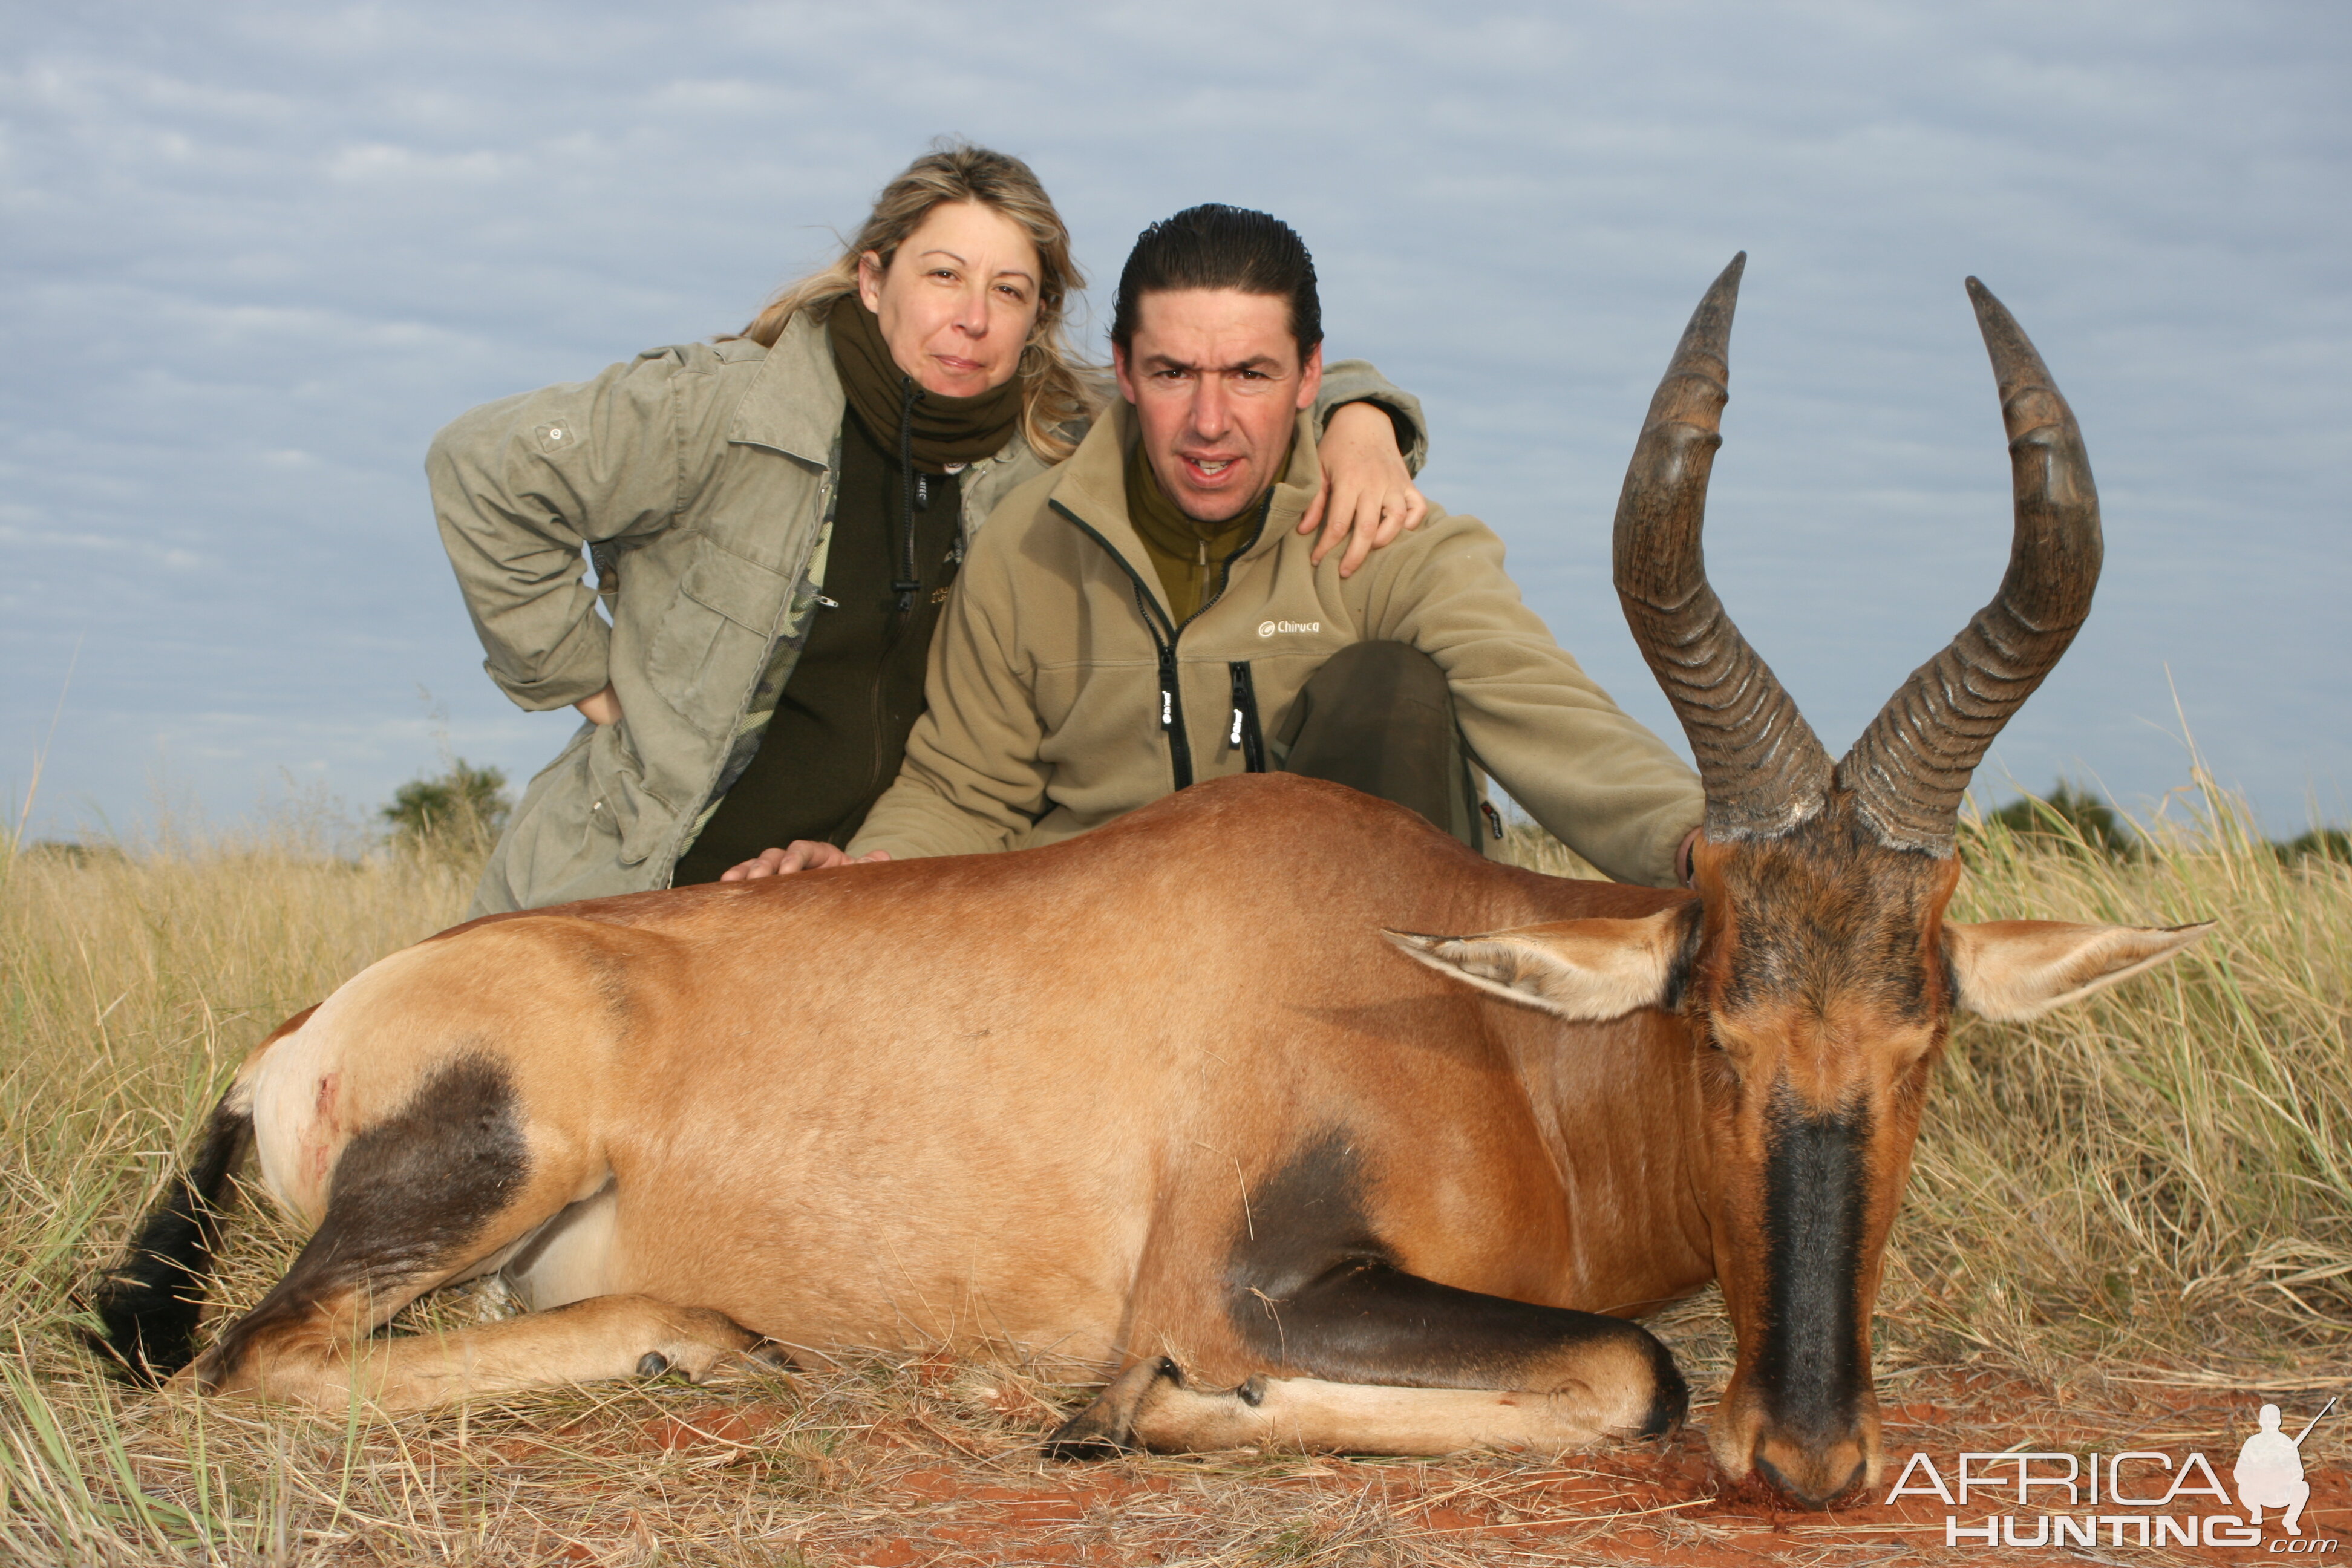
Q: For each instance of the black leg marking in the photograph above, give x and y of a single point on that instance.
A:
(150, 1303)
(1314, 1290)
(409, 1195)
(1810, 1366)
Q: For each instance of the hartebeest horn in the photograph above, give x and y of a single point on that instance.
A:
(1764, 769)
(1910, 767)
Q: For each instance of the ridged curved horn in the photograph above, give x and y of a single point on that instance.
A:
(1910, 767)
(1764, 769)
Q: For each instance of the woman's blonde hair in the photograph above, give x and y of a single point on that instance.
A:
(1058, 388)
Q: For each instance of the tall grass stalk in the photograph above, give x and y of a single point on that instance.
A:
(2164, 1171)
(2161, 1176)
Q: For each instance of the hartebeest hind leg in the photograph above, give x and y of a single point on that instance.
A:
(443, 1189)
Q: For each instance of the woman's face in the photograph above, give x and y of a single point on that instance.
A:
(958, 299)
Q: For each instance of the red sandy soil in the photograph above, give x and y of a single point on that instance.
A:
(946, 1499)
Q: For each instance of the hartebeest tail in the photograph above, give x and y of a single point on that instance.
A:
(150, 1304)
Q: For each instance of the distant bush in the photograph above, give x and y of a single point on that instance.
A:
(461, 812)
(2067, 817)
(2319, 844)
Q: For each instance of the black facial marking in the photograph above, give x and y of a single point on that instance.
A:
(1809, 1366)
(1678, 970)
(407, 1194)
(1315, 1290)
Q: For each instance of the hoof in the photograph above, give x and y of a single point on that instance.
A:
(1080, 1449)
(1106, 1428)
(653, 1363)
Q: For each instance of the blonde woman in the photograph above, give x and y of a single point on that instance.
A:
(775, 519)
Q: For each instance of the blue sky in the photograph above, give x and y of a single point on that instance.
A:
(255, 254)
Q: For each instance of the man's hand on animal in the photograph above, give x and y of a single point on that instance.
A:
(1368, 497)
(800, 855)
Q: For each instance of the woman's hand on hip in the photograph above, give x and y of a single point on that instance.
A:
(1368, 496)
(802, 855)
(600, 707)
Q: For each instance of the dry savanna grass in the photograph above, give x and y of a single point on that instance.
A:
(2124, 1218)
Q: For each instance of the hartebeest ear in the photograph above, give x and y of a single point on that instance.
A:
(1585, 970)
(2013, 970)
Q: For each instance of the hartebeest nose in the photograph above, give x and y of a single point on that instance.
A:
(1811, 1473)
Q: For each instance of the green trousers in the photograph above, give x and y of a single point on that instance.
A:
(1379, 717)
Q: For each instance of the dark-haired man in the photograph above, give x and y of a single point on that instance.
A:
(1143, 615)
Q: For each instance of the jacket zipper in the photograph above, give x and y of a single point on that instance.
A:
(1171, 694)
(909, 589)
(1246, 733)
(1172, 697)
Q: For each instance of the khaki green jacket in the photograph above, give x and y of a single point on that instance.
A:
(1046, 679)
(701, 478)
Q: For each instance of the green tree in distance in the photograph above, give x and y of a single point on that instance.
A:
(460, 811)
(2067, 817)
(2319, 844)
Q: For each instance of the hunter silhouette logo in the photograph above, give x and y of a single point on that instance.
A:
(2269, 1472)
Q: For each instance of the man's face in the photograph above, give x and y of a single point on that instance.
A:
(1216, 381)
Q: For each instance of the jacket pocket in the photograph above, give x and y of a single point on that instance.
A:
(557, 847)
(714, 637)
(619, 803)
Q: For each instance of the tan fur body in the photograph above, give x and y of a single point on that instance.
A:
(1024, 1099)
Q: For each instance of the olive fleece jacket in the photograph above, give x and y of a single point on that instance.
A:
(1051, 671)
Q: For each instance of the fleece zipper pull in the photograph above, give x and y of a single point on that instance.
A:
(1171, 718)
(1167, 688)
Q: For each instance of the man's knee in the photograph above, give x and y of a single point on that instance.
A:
(1379, 717)
(1375, 675)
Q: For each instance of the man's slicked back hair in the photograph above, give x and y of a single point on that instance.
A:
(1216, 247)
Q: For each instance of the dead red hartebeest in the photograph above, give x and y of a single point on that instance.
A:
(1164, 1100)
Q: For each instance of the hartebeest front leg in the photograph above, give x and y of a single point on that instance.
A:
(1407, 1366)
(1151, 1407)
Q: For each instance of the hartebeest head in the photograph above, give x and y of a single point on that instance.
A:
(1816, 972)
